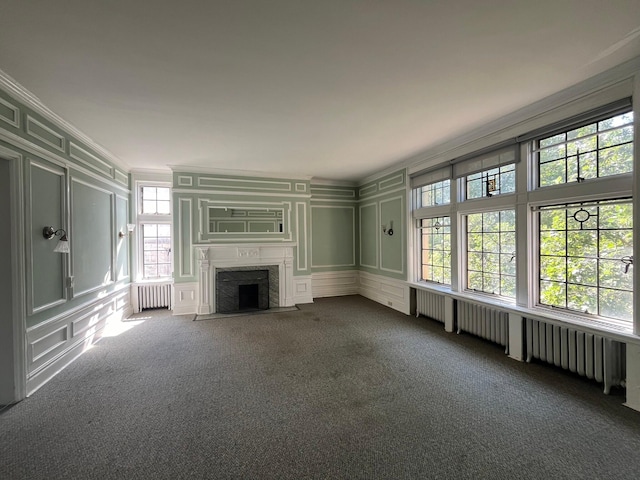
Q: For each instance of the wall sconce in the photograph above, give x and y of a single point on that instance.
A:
(130, 228)
(63, 243)
(388, 231)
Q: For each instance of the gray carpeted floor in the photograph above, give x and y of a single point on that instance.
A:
(343, 388)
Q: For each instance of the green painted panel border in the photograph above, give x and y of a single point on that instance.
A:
(90, 160)
(329, 235)
(333, 192)
(392, 248)
(123, 243)
(9, 113)
(369, 232)
(36, 129)
(45, 206)
(44, 134)
(182, 232)
(302, 264)
(386, 184)
(91, 236)
(244, 184)
(121, 177)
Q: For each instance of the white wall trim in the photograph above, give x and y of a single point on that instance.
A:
(335, 284)
(353, 233)
(377, 237)
(19, 295)
(185, 298)
(44, 154)
(386, 291)
(400, 231)
(78, 330)
(17, 91)
(611, 85)
(236, 173)
(210, 257)
(302, 289)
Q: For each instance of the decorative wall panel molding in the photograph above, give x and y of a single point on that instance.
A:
(52, 345)
(45, 134)
(386, 291)
(335, 284)
(90, 160)
(9, 113)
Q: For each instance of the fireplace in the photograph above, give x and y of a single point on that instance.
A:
(247, 259)
(240, 289)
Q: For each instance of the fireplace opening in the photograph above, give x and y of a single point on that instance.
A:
(249, 297)
(242, 290)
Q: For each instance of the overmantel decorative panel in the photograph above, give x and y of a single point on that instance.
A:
(281, 211)
(211, 257)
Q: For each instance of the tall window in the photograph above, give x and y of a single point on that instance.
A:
(585, 248)
(595, 150)
(586, 254)
(157, 250)
(491, 252)
(570, 186)
(154, 221)
(436, 250)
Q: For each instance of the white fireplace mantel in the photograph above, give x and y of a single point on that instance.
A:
(210, 257)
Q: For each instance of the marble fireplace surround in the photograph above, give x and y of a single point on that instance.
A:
(212, 257)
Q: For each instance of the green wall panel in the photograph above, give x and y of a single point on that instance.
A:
(392, 246)
(369, 235)
(333, 236)
(91, 239)
(183, 225)
(46, 206)
(122, 246)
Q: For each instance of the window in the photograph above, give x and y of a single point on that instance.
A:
(495, 181)
(491, 252)
(154, 225)
(156, 250)
(156, 200)
(586, 254)
(436, 250)
(570, 187)
(438, 193)
(595, 150)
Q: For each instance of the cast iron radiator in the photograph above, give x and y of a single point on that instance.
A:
(587, 354)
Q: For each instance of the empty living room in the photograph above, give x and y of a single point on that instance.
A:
(339, 239)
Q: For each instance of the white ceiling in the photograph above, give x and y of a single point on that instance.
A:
(334, 89)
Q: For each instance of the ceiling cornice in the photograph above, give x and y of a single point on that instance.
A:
(499, 129)
(236, 173)
(20, 93)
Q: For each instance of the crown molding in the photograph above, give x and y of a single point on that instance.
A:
(497, 130)
(20, 93)
(332, 183)
(236, 173)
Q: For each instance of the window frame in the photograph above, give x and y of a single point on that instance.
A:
(480, 154)
(598, 286)
(152, 218)
(534, 149)
(420, 229)
(464, 251)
